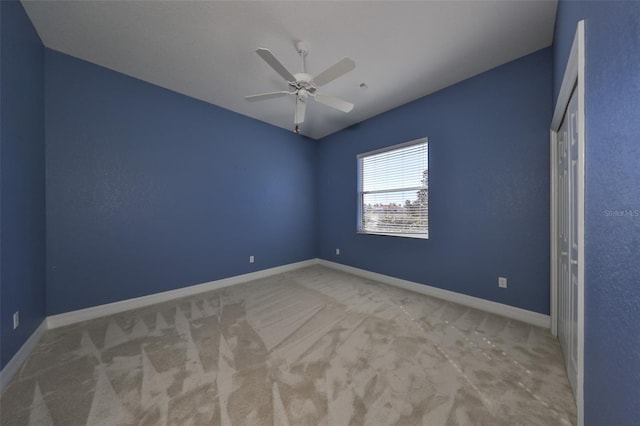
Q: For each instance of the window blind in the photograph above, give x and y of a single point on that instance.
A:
(393, 190)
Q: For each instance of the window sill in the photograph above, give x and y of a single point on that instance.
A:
(387, 234)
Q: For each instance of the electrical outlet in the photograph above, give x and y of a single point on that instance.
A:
(337, 252)
(16, 319)
(502, 282)
(251, 259)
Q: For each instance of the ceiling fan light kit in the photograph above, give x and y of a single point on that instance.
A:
(304, 85)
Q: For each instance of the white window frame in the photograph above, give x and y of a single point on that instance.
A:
(361, 193)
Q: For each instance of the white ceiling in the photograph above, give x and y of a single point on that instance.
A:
(206, 49)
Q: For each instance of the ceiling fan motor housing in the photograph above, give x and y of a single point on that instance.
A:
(302, 95)
(304, 81)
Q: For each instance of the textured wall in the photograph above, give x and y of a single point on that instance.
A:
(488, 183)
(149, 190)
(612, 282)
(22, 276)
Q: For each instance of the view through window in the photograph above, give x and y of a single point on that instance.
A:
(393, 190)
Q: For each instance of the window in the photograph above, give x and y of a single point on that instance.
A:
(393, 189)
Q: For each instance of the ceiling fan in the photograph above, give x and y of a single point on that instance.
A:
(303, 85)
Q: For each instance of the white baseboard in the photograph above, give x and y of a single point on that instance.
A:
(68, 318)
(21, 356)
(523, 315)
(72, 317)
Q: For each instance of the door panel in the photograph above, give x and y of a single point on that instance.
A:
(567, 243)
(572, 363)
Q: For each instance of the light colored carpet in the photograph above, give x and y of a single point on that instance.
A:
(310, 347)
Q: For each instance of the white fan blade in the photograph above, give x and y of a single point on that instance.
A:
(275, 64)
(301, 106)
(269, 95)
(341, 67)
(334, 102)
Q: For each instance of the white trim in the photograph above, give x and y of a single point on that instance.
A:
(580, 36)
(361, 158)
(393, 147)
(68, 318)
(554, 231)
(574, 75)
(21, 356)
(571, 74)
(72, 317)
(423, 236)
(512, 312)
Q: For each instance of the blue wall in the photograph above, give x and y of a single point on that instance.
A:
(612, 279)
(149, 190)
(22, 276)
(488, 184)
